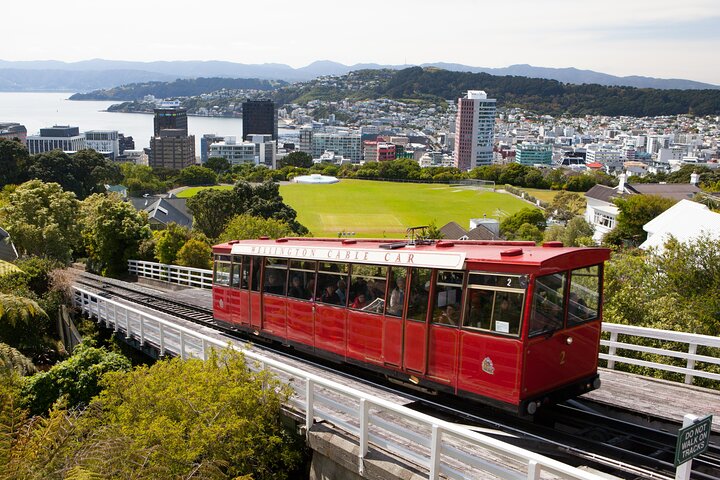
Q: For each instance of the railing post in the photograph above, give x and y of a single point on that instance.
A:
(435, 452)
(611, 351)
(127, 324)
(364, 421)
(182, 345)
(142, 330)
(162, 339)
(205, 352)
(692, 350)
(309, 411)
(533, 470)
(115, 318)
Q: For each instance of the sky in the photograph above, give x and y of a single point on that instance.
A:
(657, 38)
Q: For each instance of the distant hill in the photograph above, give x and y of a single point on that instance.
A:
(94, 74)
(178, 88)
(538, 95)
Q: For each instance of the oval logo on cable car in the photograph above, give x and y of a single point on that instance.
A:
(487, 366)
(221, 303)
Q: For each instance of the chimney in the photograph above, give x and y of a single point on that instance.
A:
(621, 186)
(694, 178)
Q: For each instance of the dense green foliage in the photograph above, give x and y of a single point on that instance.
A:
(213, 209)
(527, 224)
(175, 419)
(112, 231)
(635, 212)
(13, 161)
(42, 220)
(141, 180)
(576, 233)
(23, 323)
(182, 87)
(677, 289)
(169, 241)
(217, 164)
(83, 173)
(76, 379)
(246, 226)
(195, 253)
(197, 175)
(297, 159)
(12, 360)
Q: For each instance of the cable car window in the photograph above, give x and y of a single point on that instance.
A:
(222, 258)
(236, 271)
(367, 288)
(332, 283)
(222, 273)
(275, 276)
(507, 312)
(398, 284)
(256, 263)
(584, 297)
(245, 274)
(419, 294)
(548, 309)
(479, 308)
(447, 298)
(302, 280)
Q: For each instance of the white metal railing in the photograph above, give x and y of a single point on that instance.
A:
(198, 277)
(693, 341)
(193, 277)
(441, 447)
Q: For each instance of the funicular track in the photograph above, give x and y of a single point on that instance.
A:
(570, 432)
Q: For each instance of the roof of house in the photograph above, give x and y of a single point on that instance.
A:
(453, 231)
(165, 210)
(686, 220)
(481, 232)
(603, 193)
(676, 191)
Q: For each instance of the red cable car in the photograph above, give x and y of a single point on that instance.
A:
(509, 324)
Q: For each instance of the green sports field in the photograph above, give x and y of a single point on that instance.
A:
(386, 209)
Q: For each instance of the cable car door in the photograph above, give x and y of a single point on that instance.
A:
(415, 338)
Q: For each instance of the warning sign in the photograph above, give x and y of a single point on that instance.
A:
(693, 440)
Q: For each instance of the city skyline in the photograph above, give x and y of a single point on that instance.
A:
(650, 38)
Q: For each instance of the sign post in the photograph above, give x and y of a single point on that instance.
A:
(693, 439)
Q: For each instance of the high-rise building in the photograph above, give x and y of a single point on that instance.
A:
(59, 137)
(260, 118)
(105, 142)
(533, 154)
(13, 130)
(474, 130)
(170, 118)
(205, 141)
(171, 146)
(125, 143)
(257, 150)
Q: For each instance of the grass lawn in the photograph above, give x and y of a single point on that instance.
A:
(192, 191)
(386, 209)
(544, 195)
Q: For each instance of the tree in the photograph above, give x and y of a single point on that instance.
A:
(576, 233)
(197, 175)
(112, 231)
(212, 209)
(529, 232)
(12, 360)
(565, 206)
(511, 224)
(217, 164)
(42, 220)
(247, 226)
(83, 173)
(297, 159)
(77, 378)
(23, 323)
(169, 241)
(13, 161)
(195, 253)
(212, 419)
(141, 180)
(635, 212)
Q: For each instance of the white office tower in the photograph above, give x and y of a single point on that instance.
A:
(474, 127)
